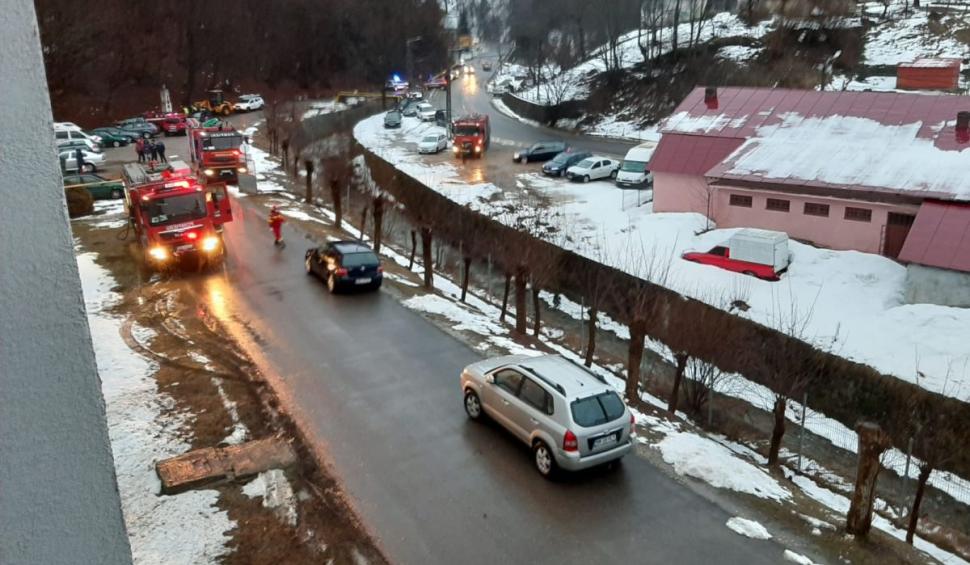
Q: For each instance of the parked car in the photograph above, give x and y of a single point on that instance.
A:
(571, 418)
(139, 126)
(175, 124)
(542, 151)
(633, 171)
(558, 165)
(433, 143)
(61, 135)
(91, 160)
(757, 253)
(441, 118)
(593, 168)
(408, 107)
(426, 112)
(116, 133)
(344, 265)
(486, 66)
(84, 144)
(392, 119)
(110, 139)
(249, 103)
(99, 187)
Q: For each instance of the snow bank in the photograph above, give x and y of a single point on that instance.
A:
(189, 527)
(748, 528)
(711, 462)
(797, 558)
(277, 494)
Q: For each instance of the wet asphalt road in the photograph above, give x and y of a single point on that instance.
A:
(376, 386)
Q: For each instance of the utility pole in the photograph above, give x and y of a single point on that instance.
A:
(410, 59)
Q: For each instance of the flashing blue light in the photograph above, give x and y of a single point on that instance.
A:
(396, 78)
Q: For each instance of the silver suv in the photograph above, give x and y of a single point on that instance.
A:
(569, 416)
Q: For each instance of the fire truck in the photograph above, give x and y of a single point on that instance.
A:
(175, 218)
(472, 135)
(216, 150)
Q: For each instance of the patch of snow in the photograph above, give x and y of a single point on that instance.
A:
(503, 108)
(908, 37)
(614, 127)
(739, 53)
(277, 494)
(239, 430)
(748, 528)
(189, 527)
(797, 558)
(703, 459)
(464, 319)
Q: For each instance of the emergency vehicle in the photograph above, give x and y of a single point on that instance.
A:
(472, 135)
(216, 151)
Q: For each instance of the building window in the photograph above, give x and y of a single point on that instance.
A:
(740, 200)
(813, 209)
(858, 214)
(778, 205)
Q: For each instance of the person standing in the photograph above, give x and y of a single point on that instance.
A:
(160, 149)
(150, 152)
(79, 159)
(275, 222)
(140, 149)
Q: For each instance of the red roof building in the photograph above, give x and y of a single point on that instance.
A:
(845, 170)
(929, 74)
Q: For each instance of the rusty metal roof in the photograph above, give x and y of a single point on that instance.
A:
(940, 236)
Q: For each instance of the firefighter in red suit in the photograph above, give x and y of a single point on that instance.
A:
(276, 224)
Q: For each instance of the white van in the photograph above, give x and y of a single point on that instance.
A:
(65, 135)
(633, 171)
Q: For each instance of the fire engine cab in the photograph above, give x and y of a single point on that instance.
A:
(472, 135)
(216, 150)
(174, 216)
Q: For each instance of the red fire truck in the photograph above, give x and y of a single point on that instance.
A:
(216, 150)
(472, 135)
(174, 216)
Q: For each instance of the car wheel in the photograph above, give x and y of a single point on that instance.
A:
(116, 144)
(331, 284)
(309, 266)
(116, 193)
(585, 178)
(524, 159)
(543, 459)
(612, 174)
(89, 168)
(473, 406)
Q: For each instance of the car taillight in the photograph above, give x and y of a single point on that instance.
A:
(380, 269)
(341, 272)
(569, 441)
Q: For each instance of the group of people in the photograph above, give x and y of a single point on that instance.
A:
(150, 150)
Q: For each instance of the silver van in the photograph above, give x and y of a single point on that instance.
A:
(570, 417)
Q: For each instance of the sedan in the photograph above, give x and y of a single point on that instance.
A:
(433, 143)
(91, 160)
(542, 151)
(112, 139)
(115, 132)
(345, 265)
(249, 103)
(426, 112)
(392, 119)
(593, 168)
(558, 165)
(99, 187)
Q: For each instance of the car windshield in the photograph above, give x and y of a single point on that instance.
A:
(597, 410)
(585, 164)
(633, 166)
(362, 259)
(466, 130)
(222, 142)
(393, 115)
(561, 159)
(430, 139)
(175, 208)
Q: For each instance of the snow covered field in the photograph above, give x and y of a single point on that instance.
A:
(850, 302)
(188, 528)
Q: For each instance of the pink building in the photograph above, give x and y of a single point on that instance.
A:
(878, 172)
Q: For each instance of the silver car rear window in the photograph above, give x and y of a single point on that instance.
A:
(597, 410)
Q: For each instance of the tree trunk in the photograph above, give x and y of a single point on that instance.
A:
(505, 296)
(426, 254)
(464, 279)
(676, 23)
(872, 442)
(309, 181)
(521, 274)
(678, 378)
(378, 223)
(414, 246)
(590, 337)
(634, 357)
(536, 311)
(338, 209)
(778, 432)
(924, 475)
(363, 223)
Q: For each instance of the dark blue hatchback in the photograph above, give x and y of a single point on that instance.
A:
(345, 265)
(557, 167)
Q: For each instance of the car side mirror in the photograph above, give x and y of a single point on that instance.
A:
(490, 379)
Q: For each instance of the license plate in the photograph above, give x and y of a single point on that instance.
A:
(362, 281)
(181, 248)
(604, 441)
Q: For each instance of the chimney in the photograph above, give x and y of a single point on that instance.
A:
(963, 127)
(710, 97)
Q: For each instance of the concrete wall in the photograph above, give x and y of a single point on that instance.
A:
(929, 285)
(542, 113)
(680, 193)
(59, 500)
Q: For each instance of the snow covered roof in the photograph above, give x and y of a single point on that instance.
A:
(875, 141)
(933, 63)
